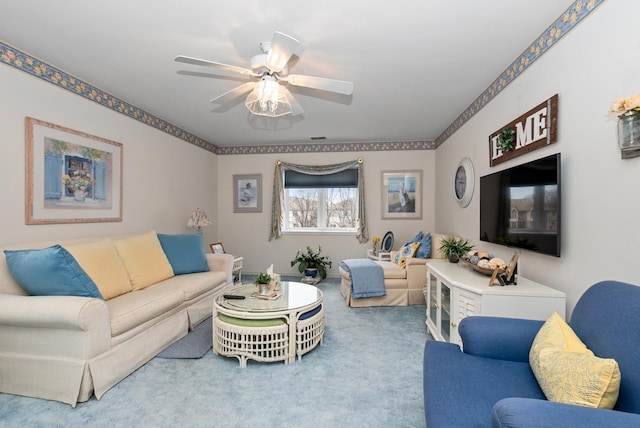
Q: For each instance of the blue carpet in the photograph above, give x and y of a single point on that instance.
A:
(193, 345)
(368, 373)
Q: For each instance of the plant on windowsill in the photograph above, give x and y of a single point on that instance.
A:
(453, 248)
(310, 260)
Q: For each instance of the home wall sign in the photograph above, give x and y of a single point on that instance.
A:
(535, 129)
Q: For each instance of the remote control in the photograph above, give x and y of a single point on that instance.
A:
(233, 296)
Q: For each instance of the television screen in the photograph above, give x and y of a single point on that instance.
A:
(520, 206)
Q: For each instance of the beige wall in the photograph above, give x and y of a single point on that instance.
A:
(247, 234)
(594, 65)
(164, 178)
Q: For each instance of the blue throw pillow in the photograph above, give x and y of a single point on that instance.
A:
(424, 251)
(185, 252)
(51, 271)
(418, 237)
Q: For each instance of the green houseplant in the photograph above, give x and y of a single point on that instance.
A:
(263, 282)
(312, 259)
(454, 248)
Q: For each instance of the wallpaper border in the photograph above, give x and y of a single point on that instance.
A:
(573, 16)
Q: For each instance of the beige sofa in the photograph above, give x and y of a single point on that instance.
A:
(66, 348)
(403, 286)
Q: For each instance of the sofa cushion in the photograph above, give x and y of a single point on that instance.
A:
(270, 322)
(407, 251)
(567, 370)
(185, 252)
(103, 264)
(195, 284)
(392, 270)
(50, 271)
(144, 259)
(461, 389)
(424, 250)
(137, 307)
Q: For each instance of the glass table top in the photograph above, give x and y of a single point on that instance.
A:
(291, 296)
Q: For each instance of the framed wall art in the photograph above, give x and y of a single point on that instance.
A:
(247, 193)
(71, 176)
(402, 194)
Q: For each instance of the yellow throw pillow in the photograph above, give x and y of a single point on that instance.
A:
(144, 259)
(101, 262)
(568, 372)
(407, 251)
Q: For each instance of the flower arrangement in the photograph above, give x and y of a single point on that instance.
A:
(624, 106)
(78, 180)
(198, 219)
(375, 241)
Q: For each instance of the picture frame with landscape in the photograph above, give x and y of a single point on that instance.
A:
(402, 194)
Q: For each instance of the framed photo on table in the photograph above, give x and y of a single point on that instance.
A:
(402, 194)
(72, 176)
(247, 193)
(217, 248)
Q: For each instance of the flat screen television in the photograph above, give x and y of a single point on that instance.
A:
(520, 206)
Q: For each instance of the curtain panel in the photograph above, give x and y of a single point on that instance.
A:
(277, 207)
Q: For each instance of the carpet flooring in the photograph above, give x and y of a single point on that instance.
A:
(368, 373)
(194, 345)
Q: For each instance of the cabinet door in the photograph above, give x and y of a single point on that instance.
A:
(431, 299)
(445, 312)
(465, 304)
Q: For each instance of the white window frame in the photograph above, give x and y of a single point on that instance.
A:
(322, 215)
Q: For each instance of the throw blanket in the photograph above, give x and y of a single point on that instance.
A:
(367, 278)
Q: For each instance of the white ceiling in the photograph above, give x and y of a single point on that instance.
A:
(415, 64)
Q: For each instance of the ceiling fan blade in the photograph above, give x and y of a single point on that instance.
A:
(218, 65)
(282, 47)
(296, 108)
(331, 85)
(234, 93)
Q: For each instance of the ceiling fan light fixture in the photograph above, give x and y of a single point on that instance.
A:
(267, 99)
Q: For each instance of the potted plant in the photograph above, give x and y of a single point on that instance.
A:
(454, 248)
(311, 262)
(263, 281)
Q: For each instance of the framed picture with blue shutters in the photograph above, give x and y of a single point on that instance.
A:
(72, 176)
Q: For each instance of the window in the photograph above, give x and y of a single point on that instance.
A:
(320, 202)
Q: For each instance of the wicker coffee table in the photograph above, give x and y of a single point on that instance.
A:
(268, 330)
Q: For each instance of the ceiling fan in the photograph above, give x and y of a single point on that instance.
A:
(268, 93)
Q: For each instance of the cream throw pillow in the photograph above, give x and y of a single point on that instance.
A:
(101, 262)
(568, 372)
(144, 259)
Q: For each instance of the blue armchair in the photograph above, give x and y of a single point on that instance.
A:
(490, 383)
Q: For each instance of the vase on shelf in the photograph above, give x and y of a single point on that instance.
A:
(375, 249)
(79, 195)
(629, 134)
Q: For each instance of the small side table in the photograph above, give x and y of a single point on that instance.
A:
(380, 257)
(237, 270)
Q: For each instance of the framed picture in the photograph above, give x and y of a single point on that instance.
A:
(72, 177)
(217, 248)
(402, 194)
(247, 193)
